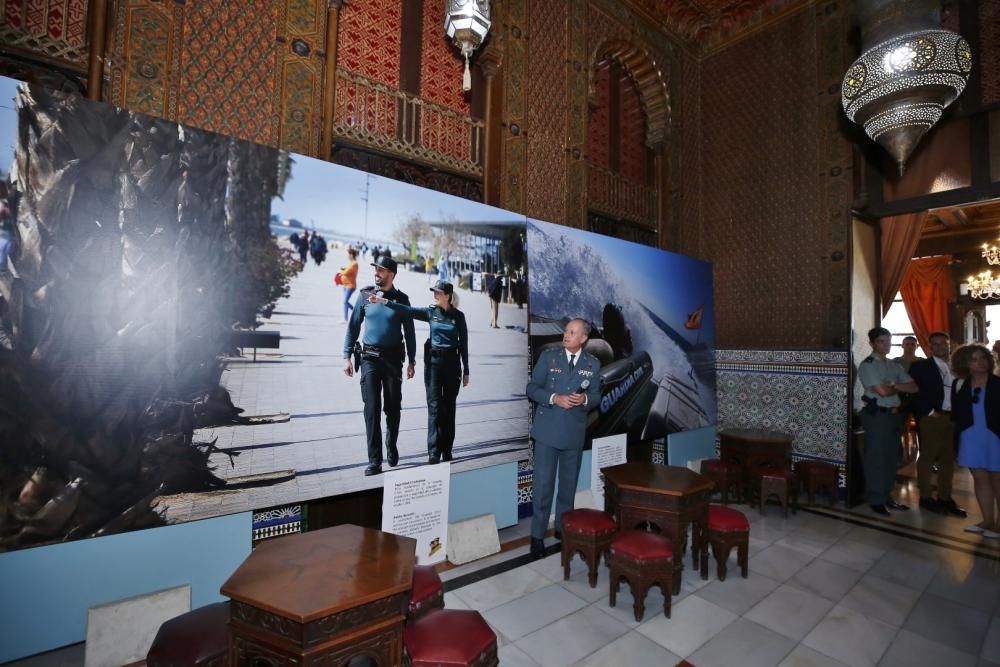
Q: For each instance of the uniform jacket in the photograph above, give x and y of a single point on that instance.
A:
(554, 426)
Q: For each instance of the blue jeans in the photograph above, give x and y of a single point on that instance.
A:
(348, 291)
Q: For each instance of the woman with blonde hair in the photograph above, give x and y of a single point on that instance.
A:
(975, 405)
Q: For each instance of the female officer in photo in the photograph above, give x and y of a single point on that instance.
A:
(446, 354)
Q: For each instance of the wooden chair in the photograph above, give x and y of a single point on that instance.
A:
(589, 533)
(198, 638)
(427, 592)
(643, 559)
(449, 638)
(725, 475)
(816, 475)
(727, 528)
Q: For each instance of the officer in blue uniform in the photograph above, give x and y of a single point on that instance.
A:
(446, 353)
(883, 380)
(565, 385)
(381, 365)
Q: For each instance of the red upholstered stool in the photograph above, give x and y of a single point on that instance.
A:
(588, 532)
(427, 593)
(816, 475)
(780, 483)
(643, 559)
(199, 637)
(727, 528)
(446, 637)
(725, 475)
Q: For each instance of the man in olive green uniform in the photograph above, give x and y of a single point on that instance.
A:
(883, 380)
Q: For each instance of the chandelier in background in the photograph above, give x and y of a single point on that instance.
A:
(466, 24)
(910, 71)
(991, 254)
(984, 286)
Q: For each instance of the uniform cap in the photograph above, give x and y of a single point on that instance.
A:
(386, 262)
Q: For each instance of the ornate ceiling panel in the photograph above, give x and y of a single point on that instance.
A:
(708, 22)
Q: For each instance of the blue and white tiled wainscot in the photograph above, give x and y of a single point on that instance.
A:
(801, 392)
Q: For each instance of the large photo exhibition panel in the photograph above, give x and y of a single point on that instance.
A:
(172, 322)
(652, 326)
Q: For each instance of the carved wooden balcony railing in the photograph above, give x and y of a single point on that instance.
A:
(614, 195)
(376, 116)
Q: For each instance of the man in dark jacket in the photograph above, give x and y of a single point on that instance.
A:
(932, 407)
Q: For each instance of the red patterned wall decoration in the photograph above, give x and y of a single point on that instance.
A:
(634, 155)
(366, 50)
(441, 64)
(513, 21)
(546, 86)
(53, 29)
(577, 76)
(252, 71)
(687, 234)
(599, 126)
(762, 202)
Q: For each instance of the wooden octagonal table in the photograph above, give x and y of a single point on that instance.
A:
(751, 448)
(322, 597)
(669, 496)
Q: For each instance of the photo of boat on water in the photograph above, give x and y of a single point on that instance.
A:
(653, 326)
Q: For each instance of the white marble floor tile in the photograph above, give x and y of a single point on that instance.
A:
(826, 578)
(534, 611)
(853, 554)
(511, 656)
(850, 637)
(579, 582)
(738, 594)
(872, 537)
(877, 598)
(807, 541)
(572, 638)
(551, 566)
(502, 588)
(977, 586)
(693, 622)
(743, 643)
(803, 656)
(908, 568)
(779, 563)
(790, 611)
(623, 609)
(940, 620)
(991, 646)
(632, 649)
(452, 601)
(909, 649)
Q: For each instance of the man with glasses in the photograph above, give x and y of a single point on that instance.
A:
(932, 406)
(883, 380)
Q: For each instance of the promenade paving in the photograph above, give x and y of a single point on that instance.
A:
(320, 451)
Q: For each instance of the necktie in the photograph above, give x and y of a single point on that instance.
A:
(572, 361)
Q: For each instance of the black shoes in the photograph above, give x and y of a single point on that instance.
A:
(949, 507)
(537, 548)
(446, 457)
(433, 458)
(893, 505)
(880, 509)
(373, 470)
(392, 458)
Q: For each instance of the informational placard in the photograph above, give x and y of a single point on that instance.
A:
(415, 505)
(477, 282)
(609, 451)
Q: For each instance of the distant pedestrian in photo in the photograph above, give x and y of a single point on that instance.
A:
(429, 268)
(381, 361)
(304, 248)
(495, 291)
(349, 280)
(446, 354)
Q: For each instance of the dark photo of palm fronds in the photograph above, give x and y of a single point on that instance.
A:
(139, 245)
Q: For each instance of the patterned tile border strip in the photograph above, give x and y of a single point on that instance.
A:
(758, 367)
(789, 357)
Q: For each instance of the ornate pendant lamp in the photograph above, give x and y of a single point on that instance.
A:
(466, 24)
(910, 71)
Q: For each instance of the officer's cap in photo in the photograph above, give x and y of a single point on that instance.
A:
(387, 263)
(443, 286)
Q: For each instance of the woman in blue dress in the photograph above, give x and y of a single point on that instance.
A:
(976, 409)
(446, 354)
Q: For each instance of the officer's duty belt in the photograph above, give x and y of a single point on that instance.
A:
(891, 411)
(443, 351)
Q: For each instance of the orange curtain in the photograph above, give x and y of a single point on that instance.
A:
(900, 236)
(927, 289)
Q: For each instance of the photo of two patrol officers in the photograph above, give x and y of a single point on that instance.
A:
(472, 372)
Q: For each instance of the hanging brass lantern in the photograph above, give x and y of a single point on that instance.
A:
(900, 86)
(466, 23)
